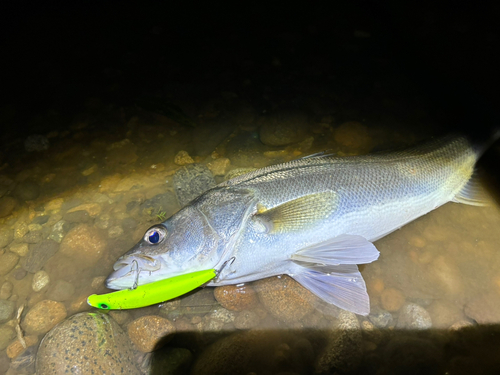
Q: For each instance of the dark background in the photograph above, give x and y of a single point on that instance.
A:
(55, 55)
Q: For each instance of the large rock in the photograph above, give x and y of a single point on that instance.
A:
(86, 343)
(85, 244)
(42, 317)
(191, 181)
(236, 298)
(39, 254)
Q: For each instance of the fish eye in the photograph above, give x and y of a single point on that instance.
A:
(155, 235)
(104, 306)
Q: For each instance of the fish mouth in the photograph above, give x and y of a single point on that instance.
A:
(128, 270)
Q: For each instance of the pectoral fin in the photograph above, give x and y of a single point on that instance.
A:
(297, 214)
(343, 249)
(343, 286)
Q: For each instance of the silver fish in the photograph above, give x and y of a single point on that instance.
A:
(313, 219)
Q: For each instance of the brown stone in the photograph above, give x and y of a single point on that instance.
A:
(42, 317)
(150, 332)
(236, 298)
(85, 244)
(16, 348)
(392, 299)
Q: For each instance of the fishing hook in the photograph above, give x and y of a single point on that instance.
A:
(138, 272)
(226, 263)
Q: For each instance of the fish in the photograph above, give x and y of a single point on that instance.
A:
(314, 219)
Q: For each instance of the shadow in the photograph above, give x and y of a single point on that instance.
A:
(470, 350)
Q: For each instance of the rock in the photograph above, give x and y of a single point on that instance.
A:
(6, 236)
(36, 143)
(413, 316)
(24, 363)
(59, 230)
(21, 249)
(19, 273)
(6, 310)
(484, 308)
(27, 191)
(343, 349)
(444, 313)
(461, 324)
(7, 333)
(283, 128)
(236, 298)
(284, 298)
(39, 254)
(7, 205)
(20, 230)
(93, 209)
(80, 216)
(191, 181)
(33, 237)
(219, 166)
(40, 280)
(6, 290)
(380, 318)
(392, 299)
(200, 302)
(41, 220)
(16, 348)
(85, 244)
(353, 136)
(86, 343)
(115, 231)
(410, 355)
(172, 361)
(60, 291)
(150, 332)
(42, 317)
(183, 158)
(8, 261)
(246, 319)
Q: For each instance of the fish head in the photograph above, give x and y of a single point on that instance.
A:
(187, 242)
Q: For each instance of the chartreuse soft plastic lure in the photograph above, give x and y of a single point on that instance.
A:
(152, 293)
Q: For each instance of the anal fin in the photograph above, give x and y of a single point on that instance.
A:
(473, 193)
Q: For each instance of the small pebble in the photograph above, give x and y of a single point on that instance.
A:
(20, 249)
(183, 158)
(413, 316)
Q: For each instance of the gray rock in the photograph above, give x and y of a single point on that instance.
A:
(413, 316)
(284, 127)
(380, 317)
(80, 216)
(59, 230)
(6, 236)
(60, 291)
(36, 143)
(70, 203)
(7, 333)
(39, 254)
(41, 219)
(33, 237)
(27, 191)
(6, 310)
(86, 336)
(190, 181)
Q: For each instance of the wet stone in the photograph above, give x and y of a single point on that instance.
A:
(165, 203)
(19, 273)
(16, 348)
(40, 280)
(6, 310)
(7, 205)
(80, 216)
(236, 298)
(33, 237)
(60, 291)
(39, 254)
(6, 290)
(150, 332)
(21, 249)
(41, 219)
(59, 230)
(413, 316)
(42, 317)
(183, 158)
(25, 361)
(6, 236)
(246, 320)
(6, 335)
(380, 317)
(200, 302)
(8, 261)
(70, 203)
(392, 299)
(68, 347)
(85, 244)
(27, 191)
(284, 298)
(192, 180)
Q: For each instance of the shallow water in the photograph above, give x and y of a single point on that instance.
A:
(91, 195)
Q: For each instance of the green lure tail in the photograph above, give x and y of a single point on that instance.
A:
(152, 293)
